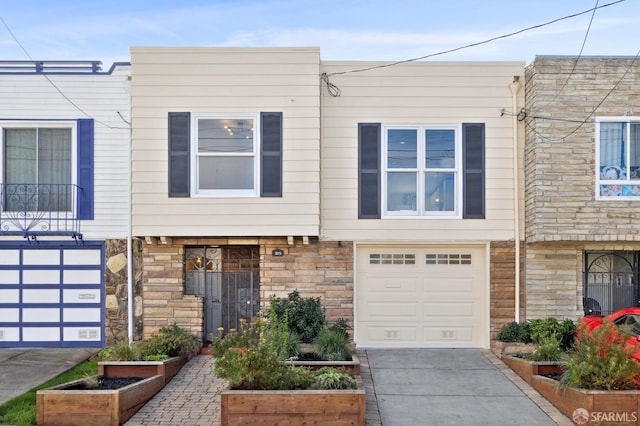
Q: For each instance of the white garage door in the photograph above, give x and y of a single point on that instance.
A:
(427, 297)
(51, 294)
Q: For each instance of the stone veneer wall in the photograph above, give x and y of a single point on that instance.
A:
(163, 301)
(560, 165)
(555, 277)
(116, 299)
(321, 269)
(318, 269)
(502, 285)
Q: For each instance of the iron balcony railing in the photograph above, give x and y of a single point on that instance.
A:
(31, 210)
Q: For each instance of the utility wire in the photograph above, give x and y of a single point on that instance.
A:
(588, 118)
(54, 85)
(472, 44)
(575, 64)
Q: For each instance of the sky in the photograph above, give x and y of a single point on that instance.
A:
(388, 30)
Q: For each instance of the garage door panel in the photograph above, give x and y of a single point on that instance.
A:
(453, 310)
(445, 285)
(438, 299)
(386, 310)
(52, 294)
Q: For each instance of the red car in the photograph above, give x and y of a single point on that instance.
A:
(627, 317)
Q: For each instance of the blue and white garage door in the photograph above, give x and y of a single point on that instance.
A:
(51, 294)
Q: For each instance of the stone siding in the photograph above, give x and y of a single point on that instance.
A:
(117, 295)
(502, 285)
(317, 269)
(560, 166)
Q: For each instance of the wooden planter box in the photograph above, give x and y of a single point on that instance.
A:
(353, 365)
(336, 407)
(527, 369)
(59, 406)
(602, 407)
(167, 368)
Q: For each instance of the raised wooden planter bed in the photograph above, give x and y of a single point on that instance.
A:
(527, 369)
(60, 406)
(602, 407)
(167, 368)
(353, 365)
(336, 407)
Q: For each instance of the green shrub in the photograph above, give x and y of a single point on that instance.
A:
(304, 315)
(602, 360)
(332, 345)
(171, 341)
(548, 349)
(541, 329)
(340, 326)
(247, 335)
(156, 357)
(332, 378)
(120, 352)
(514, 332)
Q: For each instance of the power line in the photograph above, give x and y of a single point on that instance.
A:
(575, 64)
(326, 76)
(54, 85)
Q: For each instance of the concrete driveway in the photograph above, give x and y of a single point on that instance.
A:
(22, 369)
(448, 387)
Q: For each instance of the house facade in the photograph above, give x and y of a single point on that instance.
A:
(64, 188)
(396, 202)
(582, 185)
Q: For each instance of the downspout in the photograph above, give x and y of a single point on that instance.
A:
(514, 87)
(130, 280)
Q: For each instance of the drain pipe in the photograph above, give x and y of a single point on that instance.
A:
(130, 280)
(514, 87)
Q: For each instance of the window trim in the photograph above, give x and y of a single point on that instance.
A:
(46, 124)
(598, 181)
(196, 192)
(420, 212)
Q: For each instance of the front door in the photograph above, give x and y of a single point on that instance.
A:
(228, 280)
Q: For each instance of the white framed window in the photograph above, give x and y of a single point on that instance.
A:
(421, 171)
(617, 158)
(38, 165)
(225, 155)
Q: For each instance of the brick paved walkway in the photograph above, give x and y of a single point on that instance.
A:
(190, 399)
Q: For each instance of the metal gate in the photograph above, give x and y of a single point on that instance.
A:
(610, 281)
(228, 279)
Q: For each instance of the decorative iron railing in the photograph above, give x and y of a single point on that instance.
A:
(31, 210)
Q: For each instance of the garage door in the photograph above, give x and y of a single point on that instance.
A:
(51, 294)
(429, 297)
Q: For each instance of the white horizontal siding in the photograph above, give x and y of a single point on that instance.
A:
(424, 93)
(101, 97)
(226, 81)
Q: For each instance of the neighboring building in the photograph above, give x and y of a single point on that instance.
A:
(64, 185)
(395, 202)
(582, 185)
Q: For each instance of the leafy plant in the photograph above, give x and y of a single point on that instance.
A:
(514, 332)
(341, 326)
(548, 349)
(120, 352)
(247, 335)
(332, 378)
(171, 341)
(602, 360)
(305, 316)
(332, 345)
(161, 357)
(542, 329)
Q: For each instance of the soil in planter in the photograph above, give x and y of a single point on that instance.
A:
(552, 376)
(107, 383)
(312, 356)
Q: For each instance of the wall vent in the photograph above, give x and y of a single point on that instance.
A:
(87, 334)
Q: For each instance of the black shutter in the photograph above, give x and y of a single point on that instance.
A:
(473, 191)
(179, 156)
(369, 152)
(271, 154)
(85, 168)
